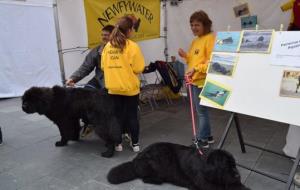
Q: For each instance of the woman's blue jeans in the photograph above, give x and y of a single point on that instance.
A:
(203, 125)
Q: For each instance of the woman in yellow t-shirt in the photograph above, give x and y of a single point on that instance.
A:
(122, 61)
(197, 59)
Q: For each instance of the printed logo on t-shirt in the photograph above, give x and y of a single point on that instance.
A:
(197, 51)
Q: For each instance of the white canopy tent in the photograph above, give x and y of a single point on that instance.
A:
(28, 47)
(29, 52)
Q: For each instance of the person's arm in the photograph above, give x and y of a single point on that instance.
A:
(185, 55)
(89, 64)
(138, 63)
(103, 59)
(202, 67)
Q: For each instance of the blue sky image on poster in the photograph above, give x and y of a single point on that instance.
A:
(227, 41)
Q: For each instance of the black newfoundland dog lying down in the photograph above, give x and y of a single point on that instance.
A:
(66, 106)
(182, 166)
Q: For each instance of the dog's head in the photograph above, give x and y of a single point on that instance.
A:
(37, 100)
(221, 168)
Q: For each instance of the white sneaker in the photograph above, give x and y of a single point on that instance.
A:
(136, 147)
(119, 148)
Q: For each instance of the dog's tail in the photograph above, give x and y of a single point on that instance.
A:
(122, 173)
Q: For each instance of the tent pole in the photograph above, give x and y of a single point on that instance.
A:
(166, 53)
(59, 46)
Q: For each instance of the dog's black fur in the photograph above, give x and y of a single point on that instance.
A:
(66, 106)
(182, 166)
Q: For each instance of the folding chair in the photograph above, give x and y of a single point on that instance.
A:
(151, 91)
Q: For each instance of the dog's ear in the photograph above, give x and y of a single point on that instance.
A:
(221, 168)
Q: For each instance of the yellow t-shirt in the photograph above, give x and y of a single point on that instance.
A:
(198, 57)
(121, 69)
(287, 6)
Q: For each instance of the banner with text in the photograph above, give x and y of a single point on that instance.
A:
(146, 15)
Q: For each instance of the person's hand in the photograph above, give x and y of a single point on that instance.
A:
(190, 73)
(70, 82)
(182, 53)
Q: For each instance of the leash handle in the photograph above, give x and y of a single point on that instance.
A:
(188, 82)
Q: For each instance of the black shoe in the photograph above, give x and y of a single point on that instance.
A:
(210, 140)
(202, 144)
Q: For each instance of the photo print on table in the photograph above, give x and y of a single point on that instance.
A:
(222, 64)
(227, 41)
(256, 41)
(248, 22)
(241, 10)
(290, 84)
(215, 93)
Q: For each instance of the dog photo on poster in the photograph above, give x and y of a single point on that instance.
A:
(248, 22)
(290, 84)
(256, 41)
(222, 64)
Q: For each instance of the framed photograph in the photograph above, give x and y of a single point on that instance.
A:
(215, 93)
(227, 41)
(256, 41)
(222, 64)
(248, 22)
(290, 84)
(241, 10)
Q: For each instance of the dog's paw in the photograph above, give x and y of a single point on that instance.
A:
(60, 143)
(107, 154)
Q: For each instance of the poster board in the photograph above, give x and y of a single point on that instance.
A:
(256, 87)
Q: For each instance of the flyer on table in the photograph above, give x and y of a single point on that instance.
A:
(286, 49)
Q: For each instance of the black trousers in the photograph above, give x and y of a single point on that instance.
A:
(127, 113)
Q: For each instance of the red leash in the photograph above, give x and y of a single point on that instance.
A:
(188, 82)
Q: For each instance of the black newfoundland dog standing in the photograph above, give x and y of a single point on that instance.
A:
(182, 166)
(66, 106)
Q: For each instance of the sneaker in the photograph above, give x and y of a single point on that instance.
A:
(135, 147)
(210, 140)
(202, 144)
(119, 148)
